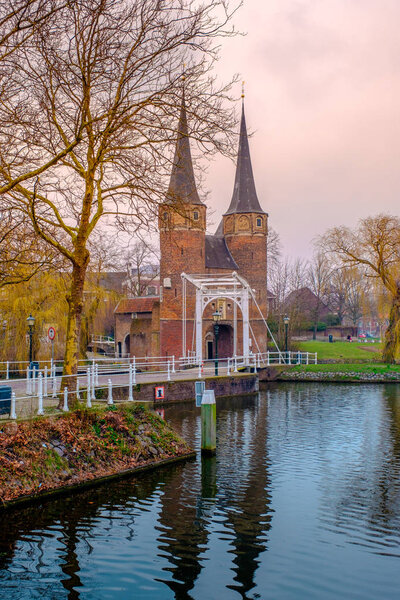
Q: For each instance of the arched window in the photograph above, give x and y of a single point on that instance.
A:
(259, 222)
(196, 216)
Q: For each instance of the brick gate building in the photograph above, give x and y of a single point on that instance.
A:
(154, 327)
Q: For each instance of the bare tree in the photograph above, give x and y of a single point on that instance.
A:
(143, 267)
(112, 70)
(375, 246)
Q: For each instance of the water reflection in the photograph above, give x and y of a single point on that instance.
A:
(302, 500)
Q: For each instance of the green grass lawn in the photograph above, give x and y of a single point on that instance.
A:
(343, 351)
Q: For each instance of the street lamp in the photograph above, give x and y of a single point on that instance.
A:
(217, 317)
(31, 322)
(286, 320)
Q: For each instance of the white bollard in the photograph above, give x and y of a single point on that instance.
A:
(110, 398)
(168, 372)
(200, 372)
(97, 373)
(134, 371)
(307, 358)
(89, 391)
(40, 394)
(65, 407)
(173, 364)
(235, 369)
(45, 382)
(28, 382)
(7, 370)
(268, 358)
(78, 395)
(13, 414)
(88, 384)
(131, 372)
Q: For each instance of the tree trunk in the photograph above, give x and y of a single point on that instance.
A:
(392, 336)
(73, 333)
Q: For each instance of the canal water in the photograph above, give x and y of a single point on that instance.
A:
(301, 501)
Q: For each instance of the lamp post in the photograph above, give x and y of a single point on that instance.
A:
(217, 317)
(286, 320)
(31, 322)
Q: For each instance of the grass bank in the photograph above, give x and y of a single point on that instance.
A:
(52, 453)
(374, 373)
(344, 352)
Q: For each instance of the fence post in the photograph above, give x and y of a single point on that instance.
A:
(7, 370)
(168, 372)
(89, 391)
(134, 371)
(54, 394)
(97, 373)
(173, 364)
(40, 394)
(45, 382)
(200, 371)
(13, 414)
(65, 407)
(235, 370)
(78, 395)
(307, 358)
(34, 376)
(228, 372)
(110, 398)
(93, 382)
(131, 371)
(315, 358)
(28, 383)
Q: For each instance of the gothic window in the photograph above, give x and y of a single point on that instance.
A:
(259, 222)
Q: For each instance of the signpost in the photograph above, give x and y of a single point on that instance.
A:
(51, 334)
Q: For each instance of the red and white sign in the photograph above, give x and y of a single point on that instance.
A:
(51, 333)
(159, 393)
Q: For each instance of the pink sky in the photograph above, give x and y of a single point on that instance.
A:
(322, 98)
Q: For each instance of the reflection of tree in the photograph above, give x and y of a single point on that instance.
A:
(366, 496)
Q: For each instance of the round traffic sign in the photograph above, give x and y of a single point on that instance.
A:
(51, 333)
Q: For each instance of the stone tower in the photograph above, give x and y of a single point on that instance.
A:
(182, 225)
(245, 227)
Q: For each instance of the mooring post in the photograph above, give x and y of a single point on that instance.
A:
(110, 398)
(65, 407)
(208, 423)
(131, 371)
(13, 414)
(40, 394)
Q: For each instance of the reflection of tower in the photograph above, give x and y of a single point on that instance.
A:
(185, 529)
(251, 522)
(182, 224)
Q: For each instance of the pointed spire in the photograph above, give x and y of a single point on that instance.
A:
(244, 197)
(182, 185)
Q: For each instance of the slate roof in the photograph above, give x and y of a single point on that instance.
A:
(143, 304)
(218, 255)
(244, 197)
(182, 185)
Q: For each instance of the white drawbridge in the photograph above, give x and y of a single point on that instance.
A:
(210, 288)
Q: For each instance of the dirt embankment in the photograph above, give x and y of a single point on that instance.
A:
(52, 453)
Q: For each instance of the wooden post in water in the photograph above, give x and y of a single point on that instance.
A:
(208, 423)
